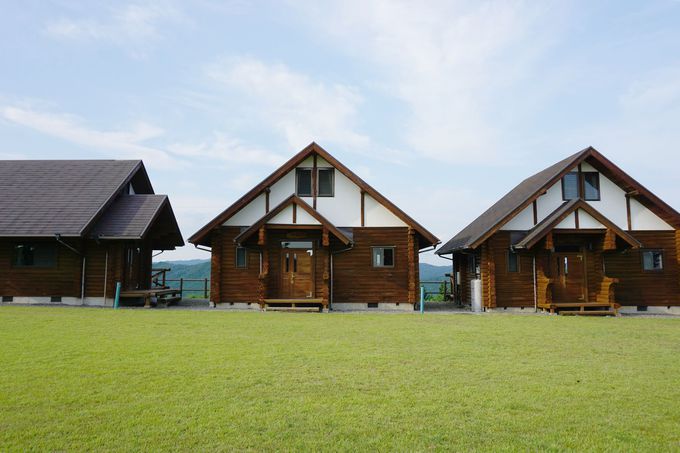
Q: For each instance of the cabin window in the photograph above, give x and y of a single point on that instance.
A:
(591, 183)
(383, 256)
(326, 179)
(570, 186)
(303, 182)
(513, 261)
(241, 257)
(35, 254)
(652, 260)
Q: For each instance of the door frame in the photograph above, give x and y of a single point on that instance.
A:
(282, 279)
(583, 252)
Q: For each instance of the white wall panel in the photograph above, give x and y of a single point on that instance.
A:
(376, 215)
(642, 218)
(250, 213)
(522, 221)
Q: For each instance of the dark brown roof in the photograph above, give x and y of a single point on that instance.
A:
(202, 235)
(473, 235)
(506, 206)
(48, 197)
(293, 199)
(130, 216)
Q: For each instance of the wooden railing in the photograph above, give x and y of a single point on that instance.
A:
(159, 280)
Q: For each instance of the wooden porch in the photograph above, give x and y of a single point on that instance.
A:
(162, 296)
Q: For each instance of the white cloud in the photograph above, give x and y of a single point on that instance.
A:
(134, 26)
(302, 110)
(227, 149)
(128, 144)
(449, 62)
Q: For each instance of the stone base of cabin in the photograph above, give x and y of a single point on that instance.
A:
(510, 310)
(650, 309)
(47, 300)
(381, 306)
(235, 305)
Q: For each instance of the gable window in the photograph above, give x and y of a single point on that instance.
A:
(326, 180)
(591, 184)
(303, 182)
(513, 261)
(35, 254)
(570, 186)
(652, 260)
(383, 256)
(241, 257)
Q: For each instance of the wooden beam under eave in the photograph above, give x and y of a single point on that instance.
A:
(363, 208)
(314, 181)
(535, 209)
(262, 236)
(549, 243)
(628, 216)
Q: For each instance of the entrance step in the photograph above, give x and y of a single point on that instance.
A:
(588, 313)
(295, 309)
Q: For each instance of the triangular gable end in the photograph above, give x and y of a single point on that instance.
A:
(295, 202)
(201, 236)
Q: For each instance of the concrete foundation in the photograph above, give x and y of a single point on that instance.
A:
(651, 310)
(382, 306)
(47, 300)
(236, 305)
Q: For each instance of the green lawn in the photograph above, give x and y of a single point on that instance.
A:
(99, 379)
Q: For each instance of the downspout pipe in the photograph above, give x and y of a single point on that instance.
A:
(337, 252)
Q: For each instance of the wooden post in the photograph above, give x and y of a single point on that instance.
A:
(261, 237)
(325, 240)
(411, 250)
(205, 288)
(216, 268)
(181, 288)
(609, 240)
(549, 244)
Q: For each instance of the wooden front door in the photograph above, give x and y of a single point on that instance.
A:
(297, 273)
(570, 277)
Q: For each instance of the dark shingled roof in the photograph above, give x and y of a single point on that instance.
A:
(507, 205)
(48, 197)
(129, 217)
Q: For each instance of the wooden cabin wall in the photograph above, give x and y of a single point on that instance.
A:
(96, 264)
(229, 283)
(60, 280)
(639, 287)
(355, 278)
(513, 289)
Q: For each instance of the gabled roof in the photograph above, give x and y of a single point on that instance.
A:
(132, 217)
(292, 200)
(47, 197)
(202, 235)
(473, 235)
(550, 222)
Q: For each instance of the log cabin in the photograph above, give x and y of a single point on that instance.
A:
(580, 237)
(71, 229)
(313, 235)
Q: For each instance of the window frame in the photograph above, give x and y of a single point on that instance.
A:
(299, 170)
(518, 269)
(318, 181)
(599, 191)
(13, 258)
(578, 186)
(245, 258)
(383, 266)
(642, 260)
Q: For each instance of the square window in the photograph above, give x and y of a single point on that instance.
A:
(591, 183)
(570, 186)
(383, 256)
(241, 257)
(35, 254)
(513, 261)
(326, 178)
(652, 260)
(303, 182)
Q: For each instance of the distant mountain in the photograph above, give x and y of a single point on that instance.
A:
(430, 272)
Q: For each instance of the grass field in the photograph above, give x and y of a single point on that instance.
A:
(99, 379)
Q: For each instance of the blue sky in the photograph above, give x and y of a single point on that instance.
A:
(441, 106)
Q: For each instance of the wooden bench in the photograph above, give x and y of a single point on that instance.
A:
(165, 296)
